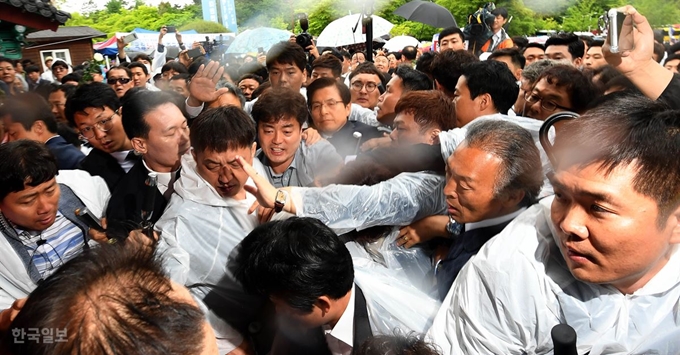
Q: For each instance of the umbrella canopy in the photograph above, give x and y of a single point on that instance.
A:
(398, 43)
(345, 31)
(249, 41)
(426, 12)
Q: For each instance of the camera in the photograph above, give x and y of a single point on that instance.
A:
(478, 28)
(304, 39)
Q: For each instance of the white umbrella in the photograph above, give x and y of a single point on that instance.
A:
(347, 30)
(398, 43)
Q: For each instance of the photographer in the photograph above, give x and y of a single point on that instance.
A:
(500, 39)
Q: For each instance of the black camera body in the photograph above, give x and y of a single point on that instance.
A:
(478, 28)
(304, 39)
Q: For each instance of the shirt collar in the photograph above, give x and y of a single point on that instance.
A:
(49, 139)
(265, 161)
(121, 156)
(344, 329)
(493, 221)
(163, 178)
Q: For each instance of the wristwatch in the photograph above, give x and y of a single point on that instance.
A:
(280, 200)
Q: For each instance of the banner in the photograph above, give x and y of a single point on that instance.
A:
(148, 42)
(210, 10)
(229, 15)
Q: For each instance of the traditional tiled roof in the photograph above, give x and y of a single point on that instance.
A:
(40, 7)
(66, 32)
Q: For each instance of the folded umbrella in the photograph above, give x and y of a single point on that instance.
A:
(426, 12)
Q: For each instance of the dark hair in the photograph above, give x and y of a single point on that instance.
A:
(32, 69)
(322, 83)
(95, 94)
(253, 68)
(451, 30)
(111, 299)
(659, 51)
(448, 67)
(396, 55)
(521, 168)
(328, 61)
(410, 53)
(621, 83)
(396, 345)
(120, 67)
(280, 103)
(520, 42)
(424, 63)
(430, 109)
(287, 53)
(333, 52)
(515, 56)
(588, 40)
(138, 105)
(71, 77)
(24, 162)
(368, 68)
(221, 129)
(574, 44)
(674, 48)
(138, 65)
(413, 80)
(533, 45)
(184, 77)
(59, 63)
(628, 130)
(68, 90)
(174, 65)
(196, 64)
(27, 108)
(596, 43)
(260, 90)
(345, 54)
(500, 11)
(673, 57)
(252, 77)
(298, 260)
(142, 57)
(233, 90)
(580, 88)
(534, 70)
(493, 78)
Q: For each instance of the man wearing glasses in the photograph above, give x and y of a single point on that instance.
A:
(94, 111)
(366, 84)
(560, 88)
(120, 80)
(59, 70)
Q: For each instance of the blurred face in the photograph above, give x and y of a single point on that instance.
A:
(329, 113)
(222, 171)
(470, 180)
(167, 141)
(19, 68)
(248, 86)
(7, 73)
(57, 100)
(559, 53)
(34, 208)
(364, 89)
(167, 75)
(672, 65)
(520, 104)
(452, 41)
(393, 61)
(608, 232)
(279, 141)
(18, 86)
(321, 73)
(357, 59)
(546, 99)
(286, 76)
(467, 108)
(533, 54)
(16, 130)
(388, 100)
(516, 71)
(594, 58)
(139, 79)
(407, 132)
(34, 76)
(59, 72)
(179, 86)
(102, 128)
(181, 293)
(382, 63)
(498, 23)
(119, 81)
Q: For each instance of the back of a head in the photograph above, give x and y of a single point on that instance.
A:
(221, 129)
(410, 53)
(329, 61)
(430, 109)
(514, 54)
(534, 70)
(90, 95)
(111, 300)
(27, 108)
(280, 103)
(298, 260)
(137, 105)
(521, 162)
(424, 63)
(412, 79)
(396, 345)
(493, 78)
(447, 67)
(574, 44)
(24, 162)
(175, 66)
(580, 88)
(253, 68)
(520, 42)
(286, 53)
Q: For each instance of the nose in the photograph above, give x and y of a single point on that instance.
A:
(571, 220)
(55, 111)
(45, 205)
(98, 133)
(450, 188)
(225, 175)
(393, 135)
(277, 137)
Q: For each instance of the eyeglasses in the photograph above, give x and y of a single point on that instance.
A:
(328, 103)
(370, 87)
(104, 125)
(122, 81)
(58, 69)
(532, 98)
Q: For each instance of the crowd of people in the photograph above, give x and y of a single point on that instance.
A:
(316, 201)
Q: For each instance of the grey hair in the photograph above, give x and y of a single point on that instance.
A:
(534, 70)
(521, 162)
(232, 89)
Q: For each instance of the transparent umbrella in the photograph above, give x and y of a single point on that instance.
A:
(347, 30)
(249, 41)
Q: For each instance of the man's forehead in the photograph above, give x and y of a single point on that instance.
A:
(363, 77)
(283, 66)
(29, 190)
(450, 37)
(555, 48)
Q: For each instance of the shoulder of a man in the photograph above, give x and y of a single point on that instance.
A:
(92, 190)
(320, 156)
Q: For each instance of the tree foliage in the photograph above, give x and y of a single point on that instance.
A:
(202, 26)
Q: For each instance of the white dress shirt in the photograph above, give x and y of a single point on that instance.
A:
(340, 339)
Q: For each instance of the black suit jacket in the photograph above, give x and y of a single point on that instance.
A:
(101, 163)
(315, 340)
(345, 143)
(127, 199)
(68, 156)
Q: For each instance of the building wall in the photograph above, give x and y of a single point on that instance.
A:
(79, 51)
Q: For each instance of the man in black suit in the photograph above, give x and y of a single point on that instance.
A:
(307, 272)
(159, 133)
(94, 110)
(28, 116)
(330, 105)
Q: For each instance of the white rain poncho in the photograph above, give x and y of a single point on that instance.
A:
(200, 231)
(508, 297)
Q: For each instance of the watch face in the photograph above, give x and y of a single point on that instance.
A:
(280, 196)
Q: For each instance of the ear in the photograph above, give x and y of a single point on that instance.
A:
(485, 102)
(438, 86)
(518, 73)
(38, 127)
(139, 145)
(513, 198)
(434, 136)
(578, 62)
(254, 150)
(674, 219)
(324, 303)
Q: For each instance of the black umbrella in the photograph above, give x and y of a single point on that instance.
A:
(426, 12)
